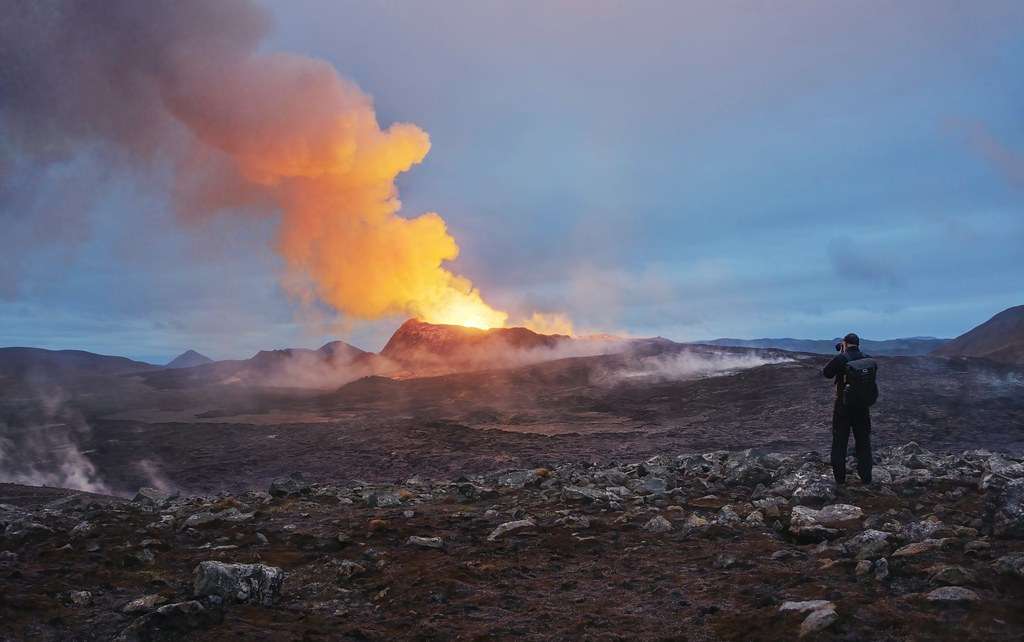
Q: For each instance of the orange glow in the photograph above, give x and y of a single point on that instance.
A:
(465, 309)
(289, 130)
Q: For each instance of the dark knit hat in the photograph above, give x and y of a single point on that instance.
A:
(852, 339)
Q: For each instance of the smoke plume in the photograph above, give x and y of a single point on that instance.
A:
(183, 87)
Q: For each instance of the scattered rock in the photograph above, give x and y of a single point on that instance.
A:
(152, 497)
(1009, 516)
(868, 545)
(1012, 564)
(944, 575)
(508, 527)
(658, 524)
(953, 594)
(518, 478)
(918, 548)
(881, 569)
(818, 621)
(425, 542)
(294, 484)
(143, 604)
(252, 583)
(805, 606)
(80, 598)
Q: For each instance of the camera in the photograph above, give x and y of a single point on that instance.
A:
(839, 347)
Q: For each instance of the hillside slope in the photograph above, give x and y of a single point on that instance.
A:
(1001, 338)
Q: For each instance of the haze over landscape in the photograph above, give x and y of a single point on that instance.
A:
(481, 320)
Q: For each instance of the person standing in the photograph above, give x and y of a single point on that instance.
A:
(856, 391)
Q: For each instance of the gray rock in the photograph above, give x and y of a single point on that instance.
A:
(425, 542)
(153, 496)
(1012, 564)
(815, 491)
(383, 500)
(143, 604)
(575, 522)
(805, 606)
(584, 494)
(80, 598)
(252, 583)
(818, 621)
(294, 484)
(881, 569)
(518, 478)
(832, 516)
(944, 575)
(653, 485)
(508, 527)
(868, 545)
(953, 594)
(348, 569)
(922, 530)
(863, 567)
(977, 548)
(232, 515)
(658, 524)
(1009, 516)
(917, 548)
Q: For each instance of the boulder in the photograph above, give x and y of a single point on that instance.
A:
(294, 484)
(249, 583)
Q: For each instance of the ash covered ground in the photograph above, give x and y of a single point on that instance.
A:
(629, 510)
(160, 428)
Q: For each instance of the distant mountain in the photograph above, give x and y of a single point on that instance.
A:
(188, 359)
(333, 364)
(911, 346)
(41, 363)
(1001, 338)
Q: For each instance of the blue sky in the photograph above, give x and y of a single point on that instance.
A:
(690, 170)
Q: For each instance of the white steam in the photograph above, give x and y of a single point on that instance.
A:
(690, 365)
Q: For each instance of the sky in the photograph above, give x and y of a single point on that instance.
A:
(685, 169)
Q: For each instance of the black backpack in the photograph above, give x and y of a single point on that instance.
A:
(861, 390)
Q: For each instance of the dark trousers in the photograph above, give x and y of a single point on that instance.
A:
(845, 420)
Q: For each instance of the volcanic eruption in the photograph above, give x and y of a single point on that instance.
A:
(186, 89)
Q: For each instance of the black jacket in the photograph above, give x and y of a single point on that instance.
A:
(836, 368)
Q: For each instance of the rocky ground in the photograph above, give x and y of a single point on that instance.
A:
(713, 546)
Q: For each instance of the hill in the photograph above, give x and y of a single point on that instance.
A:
(1001, 338)
(33, 363)
(188, 359)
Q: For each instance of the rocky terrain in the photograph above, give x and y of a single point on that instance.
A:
(705, 546)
